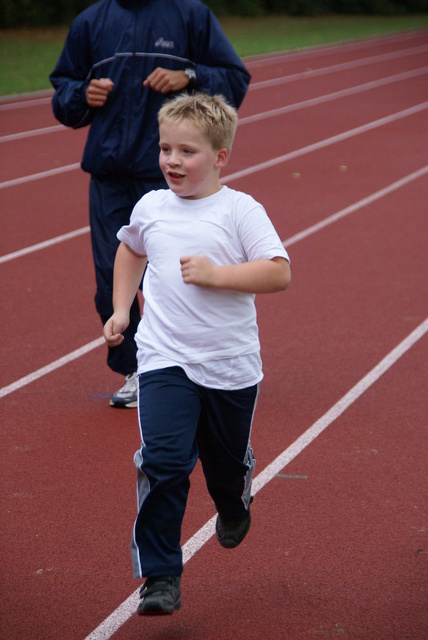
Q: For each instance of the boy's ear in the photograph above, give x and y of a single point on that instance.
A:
(222, 158)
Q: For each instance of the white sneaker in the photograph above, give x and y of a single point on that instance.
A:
(127, 396)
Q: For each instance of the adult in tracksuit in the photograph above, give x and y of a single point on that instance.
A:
(121, 59)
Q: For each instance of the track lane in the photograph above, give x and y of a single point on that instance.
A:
(43, 211)
(33, 155)
(24, 115)
(276, 76)
(38, 412)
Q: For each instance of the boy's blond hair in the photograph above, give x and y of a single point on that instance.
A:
(213, 115)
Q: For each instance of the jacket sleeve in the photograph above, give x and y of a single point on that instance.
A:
(218, 67)
(70, 79)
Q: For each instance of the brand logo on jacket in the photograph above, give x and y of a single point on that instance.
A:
(164, 44)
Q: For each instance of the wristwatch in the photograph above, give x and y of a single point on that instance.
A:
(191, 74)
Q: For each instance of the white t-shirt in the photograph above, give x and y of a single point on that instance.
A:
(211, 334)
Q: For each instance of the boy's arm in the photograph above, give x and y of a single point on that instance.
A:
(260, 276)
(128, 273)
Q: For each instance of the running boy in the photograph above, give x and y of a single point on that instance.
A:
(208, 250)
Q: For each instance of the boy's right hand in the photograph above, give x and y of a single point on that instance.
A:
(97, 92)
(114, 328)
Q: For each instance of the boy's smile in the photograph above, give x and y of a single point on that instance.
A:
(188, 161)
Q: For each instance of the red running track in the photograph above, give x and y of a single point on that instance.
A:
(333, 142)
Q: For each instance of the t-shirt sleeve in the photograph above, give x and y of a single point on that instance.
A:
(131, 234)
(258, 236)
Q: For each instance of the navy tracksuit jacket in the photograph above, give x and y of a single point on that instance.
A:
(125, 40)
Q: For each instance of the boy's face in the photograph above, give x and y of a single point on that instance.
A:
(188, 161)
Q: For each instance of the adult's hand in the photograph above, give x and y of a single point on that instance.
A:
(97, 92)
(166, 80)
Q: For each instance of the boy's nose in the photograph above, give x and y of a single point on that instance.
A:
(174, 159)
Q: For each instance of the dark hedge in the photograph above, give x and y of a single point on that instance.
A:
(26, 13)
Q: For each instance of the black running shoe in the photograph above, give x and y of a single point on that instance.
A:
(160, 596)
(231, 532)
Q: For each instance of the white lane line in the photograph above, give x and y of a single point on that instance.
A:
(24, 103)
(293, 154)
(329, 141)
(22, 382)
(264, 165)
(38, 176)
(332, 48)
(30, 100)
(343, 66)
(287, 243)
(335, 95)
(311, 102)
(354, 207)
(33, 132)
(45, 96)
(43, 245)
(127, 609)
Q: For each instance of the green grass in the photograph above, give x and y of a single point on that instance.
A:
(27, 56)
(253, 36)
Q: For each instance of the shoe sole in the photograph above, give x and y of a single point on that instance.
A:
(124, 405)
(158, 611)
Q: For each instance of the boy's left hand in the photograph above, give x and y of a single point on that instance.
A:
(197, 270)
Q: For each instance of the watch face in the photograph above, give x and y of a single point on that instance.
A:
(190, 74)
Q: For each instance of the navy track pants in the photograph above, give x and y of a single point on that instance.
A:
(111, 201)
(179, 422)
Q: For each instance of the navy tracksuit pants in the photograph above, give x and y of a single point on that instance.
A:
(179, 422)
(111, 201)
